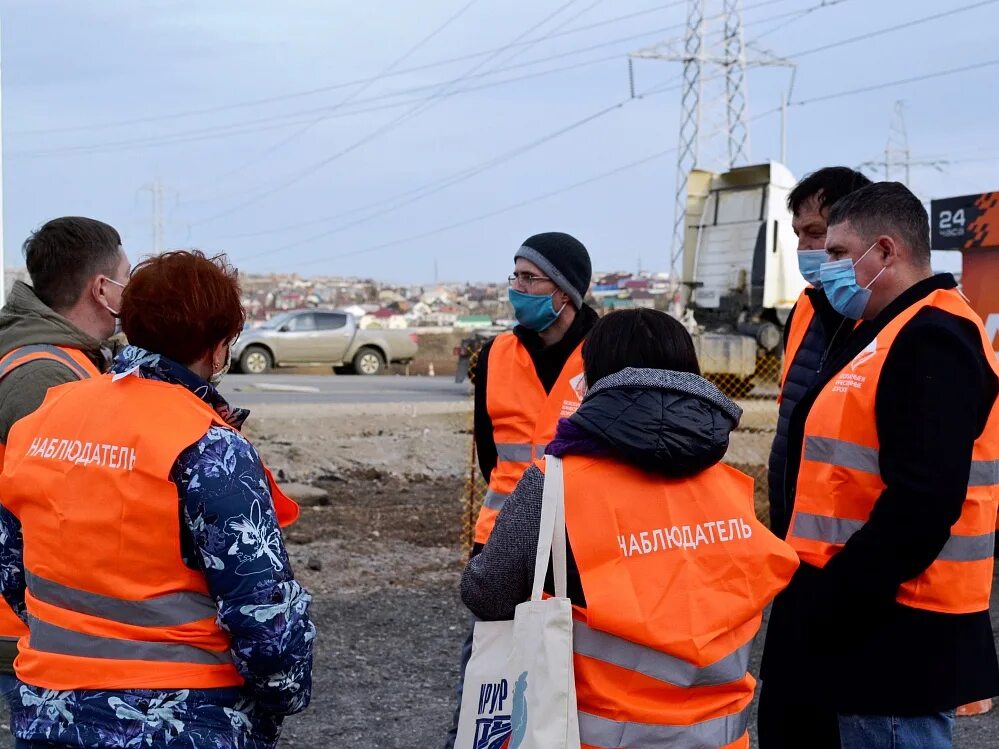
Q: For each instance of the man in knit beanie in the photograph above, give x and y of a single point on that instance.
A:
(551, 276)
(527, 379)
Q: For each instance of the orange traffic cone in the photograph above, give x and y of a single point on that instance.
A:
(975, 708)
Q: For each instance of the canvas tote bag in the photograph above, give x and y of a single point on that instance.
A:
(520, 691)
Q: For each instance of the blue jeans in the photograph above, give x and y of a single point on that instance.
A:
(935, 731)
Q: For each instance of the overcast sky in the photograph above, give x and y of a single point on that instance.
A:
(102, 98)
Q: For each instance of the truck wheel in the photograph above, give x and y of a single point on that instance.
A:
(256, 360)
(368, 361)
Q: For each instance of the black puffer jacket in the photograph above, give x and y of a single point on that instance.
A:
(825, 333)
(671, 423)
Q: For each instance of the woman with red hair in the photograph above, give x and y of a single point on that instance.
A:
(143, 543)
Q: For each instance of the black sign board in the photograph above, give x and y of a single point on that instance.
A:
(966, 222)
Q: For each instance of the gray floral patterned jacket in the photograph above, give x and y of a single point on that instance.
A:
(229, 533)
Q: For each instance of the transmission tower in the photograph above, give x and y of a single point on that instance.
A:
(897, 153)
(714, 101)
(897, 147)
(158, 192)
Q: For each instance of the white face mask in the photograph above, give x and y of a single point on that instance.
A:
(216, 378)
(113, 312)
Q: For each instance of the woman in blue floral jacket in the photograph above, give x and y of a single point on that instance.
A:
(229, 533)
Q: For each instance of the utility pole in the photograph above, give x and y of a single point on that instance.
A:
(898, 143)
(158, 220)
(714, 99)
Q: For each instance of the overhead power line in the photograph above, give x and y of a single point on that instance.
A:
(498, 212)
(444, 93)
(399, 201)
(288, 119)
(423, 107)
(172, 116)
(353, 94)
(890, 29)
(899, 82)
(519, 204)
(282, 121)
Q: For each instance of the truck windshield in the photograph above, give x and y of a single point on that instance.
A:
(277, 321)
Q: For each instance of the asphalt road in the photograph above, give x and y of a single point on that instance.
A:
(252, 390)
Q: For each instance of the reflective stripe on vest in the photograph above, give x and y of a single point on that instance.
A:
(710, 734)
(36, 351)
(494, 500)
(839, 480)
(520, 453)
(837, 531)
(170, 610)
(11, 626)
(48, 638)
(523, 416)
(657, 664)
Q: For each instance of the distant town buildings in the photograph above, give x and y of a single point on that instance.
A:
(450, 306)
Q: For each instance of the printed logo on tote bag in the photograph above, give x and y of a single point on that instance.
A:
(502, 720)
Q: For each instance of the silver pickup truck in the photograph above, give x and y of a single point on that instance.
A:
(315, 337)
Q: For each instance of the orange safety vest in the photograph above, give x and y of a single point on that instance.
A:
(676, 574)
(11, 626)
(840, 481)
(524, 418)
(803, 315)
(111, 604)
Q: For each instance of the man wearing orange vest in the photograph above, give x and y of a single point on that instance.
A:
(51, 333)
(893, 466)
(527, 379)
(813, 327)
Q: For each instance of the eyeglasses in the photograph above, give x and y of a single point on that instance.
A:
(525, 278)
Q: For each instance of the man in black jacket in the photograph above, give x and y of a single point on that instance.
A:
(809, 203)
(845, 663)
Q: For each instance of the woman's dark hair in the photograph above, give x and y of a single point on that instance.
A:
(182, 304)
(641, 338)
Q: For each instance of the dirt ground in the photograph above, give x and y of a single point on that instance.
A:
(386, 604)
(380, 553)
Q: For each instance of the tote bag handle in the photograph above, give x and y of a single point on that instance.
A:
(551, 535)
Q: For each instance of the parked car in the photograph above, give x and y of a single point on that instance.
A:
(316, 337)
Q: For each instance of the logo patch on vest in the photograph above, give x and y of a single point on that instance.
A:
(869, 352)
(579, 387)
(849, 380)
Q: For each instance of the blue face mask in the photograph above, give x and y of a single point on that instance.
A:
(809, 262)
(839, 280)
(534, 311)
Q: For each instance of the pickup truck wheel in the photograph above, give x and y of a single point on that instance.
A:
(368, 361)
(256, 360)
